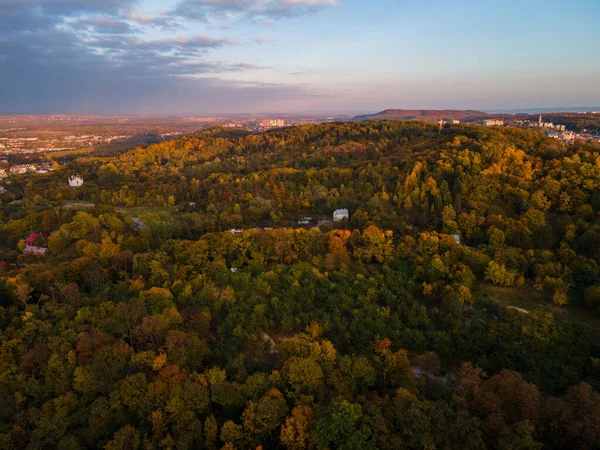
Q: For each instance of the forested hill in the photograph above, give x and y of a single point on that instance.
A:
(181, 305)
(428, 115)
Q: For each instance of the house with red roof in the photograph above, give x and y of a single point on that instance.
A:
(32, 239)
(33, 244)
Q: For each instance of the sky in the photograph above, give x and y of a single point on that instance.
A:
(210, 57)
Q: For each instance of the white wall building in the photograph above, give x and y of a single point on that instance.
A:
(340, 214)
(493, 123)
(75, 181)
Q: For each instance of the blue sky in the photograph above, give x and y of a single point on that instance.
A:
(225, 56)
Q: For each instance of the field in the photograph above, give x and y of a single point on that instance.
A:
(491, 296)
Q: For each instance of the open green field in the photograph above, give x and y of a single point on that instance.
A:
(130, 211)
(529, 300)
(135, 211)
(66, 153)
(81, 204)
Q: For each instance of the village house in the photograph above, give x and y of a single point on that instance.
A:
(137, 223)
(33, 244)
(340, 214)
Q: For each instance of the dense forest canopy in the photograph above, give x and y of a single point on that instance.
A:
(180, 304)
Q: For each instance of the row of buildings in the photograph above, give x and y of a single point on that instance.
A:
(540, 124)
(339, 215)
(38, 145)
(272, 123)
(21, 169)
(493, 123)
(569, 136)
(524, 124)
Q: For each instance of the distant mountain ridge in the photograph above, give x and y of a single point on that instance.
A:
(427, 115)
(557, 110)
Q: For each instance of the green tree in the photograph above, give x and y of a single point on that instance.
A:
(343, 427)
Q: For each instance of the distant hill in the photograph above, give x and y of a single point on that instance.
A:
(427, 115)
(575, 109)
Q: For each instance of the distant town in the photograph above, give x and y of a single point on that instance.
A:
(555, 131)
(38, 135)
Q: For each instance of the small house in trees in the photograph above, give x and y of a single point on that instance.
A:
(75, 181)
(137, 223)
(304, 220)
(456, 237)
(340, 214)
(32, 239)
(35, 244)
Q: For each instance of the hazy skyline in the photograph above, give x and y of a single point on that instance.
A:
(228, 56)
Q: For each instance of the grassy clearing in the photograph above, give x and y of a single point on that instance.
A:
(63, 154)
(81, 204)
(488, 294)
(135, 211)
(520, 298)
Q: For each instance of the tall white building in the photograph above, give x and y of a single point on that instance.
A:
(75, 181)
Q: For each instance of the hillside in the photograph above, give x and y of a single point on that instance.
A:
(455, 307)
(427, 115)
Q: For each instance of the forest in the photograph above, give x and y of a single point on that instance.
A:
(180, 304)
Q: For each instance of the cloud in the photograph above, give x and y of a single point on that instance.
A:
(104, 25)
(258, 10)
(193, 43)
(160, 19)
(69, 8)
(119, 90)
(94, 56)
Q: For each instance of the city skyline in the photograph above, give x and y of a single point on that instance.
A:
(194, 57)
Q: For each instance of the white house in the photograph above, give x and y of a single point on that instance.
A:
(493, 123)
(32, 245)
(340, 214)
(35, 250)
(75, 181)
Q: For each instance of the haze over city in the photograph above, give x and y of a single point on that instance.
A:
(251, 56)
